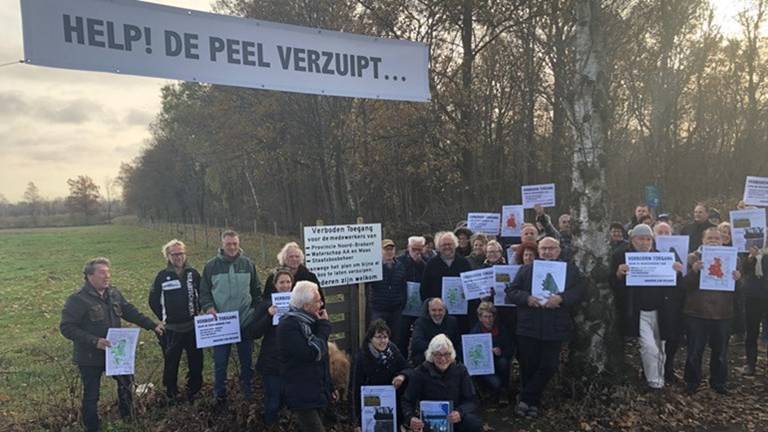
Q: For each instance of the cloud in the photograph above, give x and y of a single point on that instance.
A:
(138, 118)
(11, 103)
(72, 111)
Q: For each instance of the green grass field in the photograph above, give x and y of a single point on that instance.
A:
(39, 268)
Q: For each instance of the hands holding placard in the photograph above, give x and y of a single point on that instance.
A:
(552, 302)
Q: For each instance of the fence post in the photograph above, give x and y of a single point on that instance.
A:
(361, 302)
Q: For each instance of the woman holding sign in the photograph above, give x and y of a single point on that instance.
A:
(268, 363)
(440, 378)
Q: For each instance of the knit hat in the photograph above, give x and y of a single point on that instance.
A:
(641, 229)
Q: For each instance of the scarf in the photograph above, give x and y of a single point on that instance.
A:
(305, 321)
(382, 358)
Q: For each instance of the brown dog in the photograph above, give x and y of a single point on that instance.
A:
(340, 366)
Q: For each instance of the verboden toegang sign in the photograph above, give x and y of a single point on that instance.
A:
(343, 254)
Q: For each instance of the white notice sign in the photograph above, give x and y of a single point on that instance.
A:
(281, 300)
(477, 350)
(748, 229)
(344, 254)
(222, 330)
(548, 279)
(756, 191)
(453, 296)
(478, 283)
(485, 223)
(543, 194)
(512, 219)
(378, 409)
(121, 356)
(650, 269)
(719, 264)
(138, 38)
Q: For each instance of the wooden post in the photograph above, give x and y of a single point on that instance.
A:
(274, 224)
(361, 302)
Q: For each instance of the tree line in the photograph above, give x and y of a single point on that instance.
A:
(681, 107)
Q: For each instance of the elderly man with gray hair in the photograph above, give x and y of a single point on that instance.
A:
(87, 316)
(409, 269)
(303, 334)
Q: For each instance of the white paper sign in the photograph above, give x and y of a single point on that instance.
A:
(677, 245)
(281, 300)
(748, 229)
(413, 300)
(378, 409)
(542, 194)
(717, 272)
(650, 269)
(138, 38)
(478, 283)
(478, 353)
(548, 279)
(504, 275)
(343, 254)
(756, 191)
(453, 296)
(512, 219)
(485, 223)
(121, 356)
(222, 330)
(434, 414)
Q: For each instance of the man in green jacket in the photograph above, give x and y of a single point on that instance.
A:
(230, 284)
(87, 316)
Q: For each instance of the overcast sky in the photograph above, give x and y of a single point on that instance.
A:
(56, 124)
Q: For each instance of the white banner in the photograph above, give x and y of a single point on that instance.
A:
(542, 194)
(344, 254)
(138, 38)
(485, 223)
(650, 269)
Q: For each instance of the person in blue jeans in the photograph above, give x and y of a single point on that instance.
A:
(268, 363)
(230, 283)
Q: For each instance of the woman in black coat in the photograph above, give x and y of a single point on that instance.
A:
(378, 362)
(292, 258)
(440, 378)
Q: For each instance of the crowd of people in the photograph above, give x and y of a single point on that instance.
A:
(421, 357)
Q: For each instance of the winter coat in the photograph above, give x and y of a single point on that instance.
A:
(695, 232)
(175, 300)
(87, 316)
(754, 286)
(407, 270)
(669, 297)
(385, 295)
(424, 329)
(705, 304)
(230, 284)
(436, 270)
(368, 371)
(268, 362)
(302, 274)
(541, 323)
(428, 383)
(306, 378)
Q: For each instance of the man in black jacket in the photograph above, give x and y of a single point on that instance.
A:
(87, 316)
(542, 328)
(695, 230)
(435, 320)
(409, 268)
(447, 263)
(174, 300)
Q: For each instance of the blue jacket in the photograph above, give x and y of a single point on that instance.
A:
(384, 295)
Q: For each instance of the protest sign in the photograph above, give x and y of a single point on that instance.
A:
(719, 265)
(478, 353)
(512, 219)
(343, 254)
(548, 279)
(224, 329)
(413, 299)
(650, 269)
(477, 283)
(484, 223)
(756, 191)
(677, 245)
(748, 229)
(434, 414)
(121, 355)
(147, 39)
(281, 300)
(378, 409)
(542, 194)
(503, 275)
(453, 296)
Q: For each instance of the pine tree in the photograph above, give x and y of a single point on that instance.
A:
(549, 284)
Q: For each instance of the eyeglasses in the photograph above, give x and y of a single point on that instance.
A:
(441, 355)
(178, 254)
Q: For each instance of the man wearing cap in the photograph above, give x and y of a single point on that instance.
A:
(695, 230)
(647, 312)
(386, 299)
